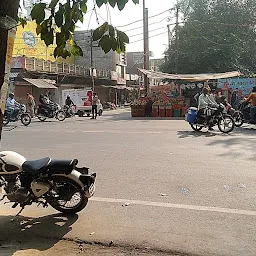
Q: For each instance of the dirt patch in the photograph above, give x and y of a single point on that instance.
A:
(69, 248)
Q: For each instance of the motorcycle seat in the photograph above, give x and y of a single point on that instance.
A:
(36, 166)
(61, 166)
(49, 165)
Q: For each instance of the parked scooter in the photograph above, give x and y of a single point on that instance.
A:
(60, 184)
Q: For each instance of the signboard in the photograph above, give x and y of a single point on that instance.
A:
(4, 89)
(121, 80)
(242, 84)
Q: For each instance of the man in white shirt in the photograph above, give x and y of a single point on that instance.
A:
(204, 102)
(12, 106)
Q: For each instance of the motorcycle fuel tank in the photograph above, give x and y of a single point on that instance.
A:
(11, 162)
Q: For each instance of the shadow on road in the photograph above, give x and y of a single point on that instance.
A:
(34, 233)
(187, 134)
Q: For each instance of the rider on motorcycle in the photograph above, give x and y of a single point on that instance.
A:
(13, 106)
(252, 98)
(205, 103)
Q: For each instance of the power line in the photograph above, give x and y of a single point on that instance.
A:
(149, 37)
(153, 23)
(142, 19)
(148, 31)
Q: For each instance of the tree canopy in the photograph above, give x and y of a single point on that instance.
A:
(58, 20)
(216, 36)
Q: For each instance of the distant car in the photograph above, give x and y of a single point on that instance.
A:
(81, 112)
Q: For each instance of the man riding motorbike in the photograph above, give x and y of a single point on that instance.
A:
(205, 103)
(252, 99)
(12, 106)
(69, 105)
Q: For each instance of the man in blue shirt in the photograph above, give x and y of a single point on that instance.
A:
(12, 106)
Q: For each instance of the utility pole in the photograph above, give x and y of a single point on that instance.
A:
(91, 46)
(177, 40)
(146, 45)
(169, 36)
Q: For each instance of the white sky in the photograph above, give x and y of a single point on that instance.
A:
(132, 13)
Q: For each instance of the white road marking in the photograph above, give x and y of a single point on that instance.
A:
(176, 206)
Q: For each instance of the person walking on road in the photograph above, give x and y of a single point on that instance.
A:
(95, 102)
(31, 104)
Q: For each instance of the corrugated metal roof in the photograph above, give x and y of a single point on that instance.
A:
(42, 83)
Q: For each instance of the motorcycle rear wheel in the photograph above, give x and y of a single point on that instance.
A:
(25, 119)
(196, 127)
(226, 124)
(238, 118)
(67, 190)
(60, 115)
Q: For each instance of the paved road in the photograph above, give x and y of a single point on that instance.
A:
(159, 185)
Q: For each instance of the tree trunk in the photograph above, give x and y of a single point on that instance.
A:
(7, 8)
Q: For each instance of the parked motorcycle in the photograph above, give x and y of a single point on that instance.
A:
(243, 114)
(50, 111)
(211, 117)
(21, 115)
(69, 111)
(59, 183)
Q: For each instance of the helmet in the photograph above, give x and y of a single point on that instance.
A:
(11, 94)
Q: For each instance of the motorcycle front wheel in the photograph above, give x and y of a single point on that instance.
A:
(6, 120)
(238, 118)
(226, 124)
(67, 196)
(196, 127)
(25, 119)
(60, 115)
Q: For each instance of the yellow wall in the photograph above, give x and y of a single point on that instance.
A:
(28, 43)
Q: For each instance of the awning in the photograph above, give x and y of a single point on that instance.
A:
(189, 77)
(42, 83)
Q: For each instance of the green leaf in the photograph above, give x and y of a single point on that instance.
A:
(122, 36)
(111, 31)
(100, 31)
(22, 21)
(38, 12)
(59, 16)
(38, 29)
(48, 37)
(83, 7)
(101, 2)
(105, 43)
(136, 1)
(76, 50)
(81, 17)
(112, 2)
(113, 43)
(121, 4)
(60, 39)
(53, 4)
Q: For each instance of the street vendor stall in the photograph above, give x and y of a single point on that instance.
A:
(166, 100)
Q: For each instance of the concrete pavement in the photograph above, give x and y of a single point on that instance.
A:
(160, 185)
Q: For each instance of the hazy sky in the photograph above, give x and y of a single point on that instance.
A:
(132, 13)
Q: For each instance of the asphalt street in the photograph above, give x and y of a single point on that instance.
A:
(159, 186)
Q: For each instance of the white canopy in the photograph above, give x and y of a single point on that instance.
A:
(189, 77)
